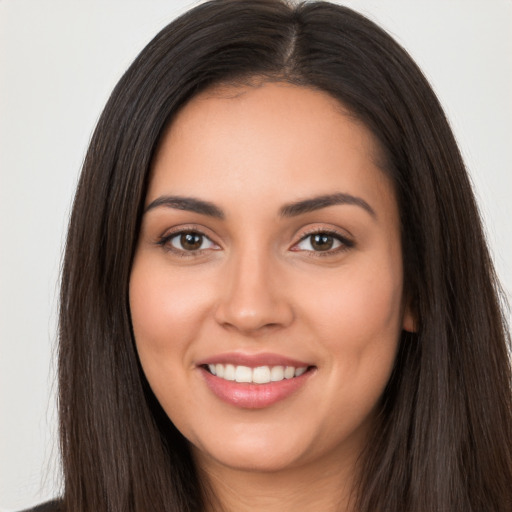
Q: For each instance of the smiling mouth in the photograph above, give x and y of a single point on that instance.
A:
(254, 385)
(258, 375)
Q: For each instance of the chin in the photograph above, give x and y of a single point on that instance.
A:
(258, 448)
(250, 459)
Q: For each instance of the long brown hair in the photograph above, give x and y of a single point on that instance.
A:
(444, 439)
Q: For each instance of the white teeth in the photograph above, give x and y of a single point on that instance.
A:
(289, 372)
(259, 375)
(229, 372)
(277, 373)
(243, 374)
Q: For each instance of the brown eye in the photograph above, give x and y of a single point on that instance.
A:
(322, 242)
(189, 241)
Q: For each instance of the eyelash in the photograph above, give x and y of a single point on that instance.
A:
(166, 242)
(345, 243)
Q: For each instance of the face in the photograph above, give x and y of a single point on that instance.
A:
(266, 290)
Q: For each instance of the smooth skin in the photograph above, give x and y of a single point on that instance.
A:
(250, 274)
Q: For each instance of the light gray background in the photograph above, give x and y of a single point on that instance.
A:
(59, 60)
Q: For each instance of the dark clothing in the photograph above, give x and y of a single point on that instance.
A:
(49, 506)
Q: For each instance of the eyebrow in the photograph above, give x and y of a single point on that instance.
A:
(190, 204)
(202, 207)
(319, 202)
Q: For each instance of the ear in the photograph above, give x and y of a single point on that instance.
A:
(409, 319)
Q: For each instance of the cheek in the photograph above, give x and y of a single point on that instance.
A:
(359, 327)
(358, 320)
(165, 310)
(359, 304)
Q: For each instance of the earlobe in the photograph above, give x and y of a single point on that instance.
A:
(409, 321)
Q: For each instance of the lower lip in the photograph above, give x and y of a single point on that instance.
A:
(253, 396)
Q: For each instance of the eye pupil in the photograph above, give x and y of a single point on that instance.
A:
(322, 242)
(191, 241)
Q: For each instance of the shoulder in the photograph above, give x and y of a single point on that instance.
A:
(49, 506)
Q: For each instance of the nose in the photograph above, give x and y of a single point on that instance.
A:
(254, 298)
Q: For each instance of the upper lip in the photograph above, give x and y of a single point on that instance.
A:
(253, 360)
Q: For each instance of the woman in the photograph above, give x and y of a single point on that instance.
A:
(276, 292)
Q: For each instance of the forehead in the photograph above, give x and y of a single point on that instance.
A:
(251, 140)
(288, 112)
